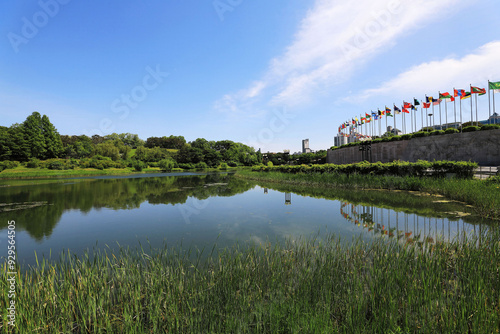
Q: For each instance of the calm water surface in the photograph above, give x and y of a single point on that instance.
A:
(198, 210)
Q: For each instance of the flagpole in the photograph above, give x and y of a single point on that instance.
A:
(404, 119)
(477, 118)
(422, 117)
(494, 105)
(461, 122)
(454, 105)
(393, 105)
(489, 103)
(385, 118)
(471, 109)
(440, 120)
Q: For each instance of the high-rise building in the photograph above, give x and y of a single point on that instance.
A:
(305, 146)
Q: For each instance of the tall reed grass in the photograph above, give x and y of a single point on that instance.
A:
(302, 286)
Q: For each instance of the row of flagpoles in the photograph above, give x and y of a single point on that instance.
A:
(368, 129)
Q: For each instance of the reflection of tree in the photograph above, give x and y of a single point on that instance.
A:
(117, 194)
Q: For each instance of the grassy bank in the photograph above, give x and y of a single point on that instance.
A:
(484, 196)
(25, 173)
(299, 287)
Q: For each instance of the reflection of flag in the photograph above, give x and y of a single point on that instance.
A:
(427, 105)
(477, 90)
(459, 92)
(465, 96)
(446, 97)
(495, 86)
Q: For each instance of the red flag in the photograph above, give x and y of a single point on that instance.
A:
(406, 110)
(477, 90)
(427, 105)
(406, 104)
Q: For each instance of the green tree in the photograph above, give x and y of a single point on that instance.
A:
(107, 150)
(52, 139)
(33, 133)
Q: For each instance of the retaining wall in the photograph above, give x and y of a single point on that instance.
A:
(482, 147)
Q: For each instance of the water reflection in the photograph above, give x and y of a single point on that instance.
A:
(408, 227)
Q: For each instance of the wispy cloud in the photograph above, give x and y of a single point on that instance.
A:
(333, 40)
(428, 78)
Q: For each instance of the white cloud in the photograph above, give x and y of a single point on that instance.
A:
(429, 78)
(333, 40)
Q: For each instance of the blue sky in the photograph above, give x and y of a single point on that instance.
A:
(268, 74)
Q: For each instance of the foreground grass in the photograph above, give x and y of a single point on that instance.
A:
(483, 195)
(299, 287)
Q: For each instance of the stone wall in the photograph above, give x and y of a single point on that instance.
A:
(482, 147)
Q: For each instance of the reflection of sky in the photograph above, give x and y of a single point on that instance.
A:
(250, 217)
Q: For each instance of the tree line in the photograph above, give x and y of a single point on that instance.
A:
(37, 139)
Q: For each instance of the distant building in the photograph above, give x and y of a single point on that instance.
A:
(339, 140)
(493, 119)
(305, 146)
(394, 131)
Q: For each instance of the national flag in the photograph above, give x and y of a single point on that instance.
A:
(477, 90)
(356, 119)
(415, 102)
(495, 86)
(376, 117)
(406, 104)
(406, 110)
(427, 105)
(466, 96)
(397, 110)
(368, 116)
(387, 110)
(379, 112)
(459, 92)
(446, 97)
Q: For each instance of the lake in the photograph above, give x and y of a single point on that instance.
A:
(197, 210)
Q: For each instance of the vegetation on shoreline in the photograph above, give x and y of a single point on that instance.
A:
(302, 286)
(483, 195)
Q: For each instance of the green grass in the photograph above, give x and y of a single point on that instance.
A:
(312, 286)
(483, 195)
(23, 172)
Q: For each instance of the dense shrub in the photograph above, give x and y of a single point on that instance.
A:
(451, 130)
(201, 165)
(437, 132)
(490, 126)
(186, 166)
(421, 134)
(407, 136)
(33, 163)
(461, 169)
(139, 165)
(166, 165)
(471, 128)
(8, 165)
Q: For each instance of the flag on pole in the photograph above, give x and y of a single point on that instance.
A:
(397, 110)
(406, 110)
(446, 97)
(388, 112)
(465, 96)
(477, 90)
(406, 105)
(459, 92)
(434, 102)
(495, 86)
(416, 102)
(426, 105)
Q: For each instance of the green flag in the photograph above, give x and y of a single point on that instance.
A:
(495, 86)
